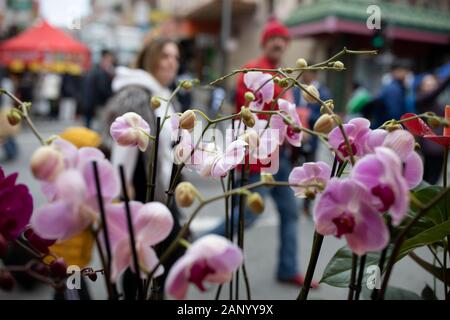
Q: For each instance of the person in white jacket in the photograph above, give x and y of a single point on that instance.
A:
(154, 71)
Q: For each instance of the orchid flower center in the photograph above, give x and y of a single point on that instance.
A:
(199, 272)
(386, 195)
(258, 97)
(344, 150)
(344, 224)
(291, 132)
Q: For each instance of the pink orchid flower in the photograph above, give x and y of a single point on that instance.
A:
(264, 141)
(73, 194)
(152, 223)
(209, 160)
(131, 129)
(285, 130)
(343, 210)
(356, 131)
(212, 259)
(381, 174)
(402, 143)
(253, 81)
(310, 173)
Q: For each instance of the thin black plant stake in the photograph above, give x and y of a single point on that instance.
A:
(156, 283)
(101, 207)
(131, 233)
(362, 266)
(352, 283)
(151, 195)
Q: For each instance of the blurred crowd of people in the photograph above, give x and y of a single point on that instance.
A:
(108, 91)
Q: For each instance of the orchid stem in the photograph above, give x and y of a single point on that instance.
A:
(315, 251)
(24, 111)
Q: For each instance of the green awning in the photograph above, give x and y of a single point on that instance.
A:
(406, 16)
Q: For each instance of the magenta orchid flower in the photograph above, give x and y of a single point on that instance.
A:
(310, 173)
(343, 210)
(261, 85)
(211, 259)
(16, 206)
(381, 174)
(73, 195)
(402, 143)
(152, 223)
(356, 131)
(131, 129)
(293, 136)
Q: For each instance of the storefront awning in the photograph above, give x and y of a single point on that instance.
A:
(402, 22)
(211, 10)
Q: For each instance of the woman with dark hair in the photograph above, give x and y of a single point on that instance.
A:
(154, 71)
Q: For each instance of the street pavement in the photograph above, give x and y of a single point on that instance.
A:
(261, 241)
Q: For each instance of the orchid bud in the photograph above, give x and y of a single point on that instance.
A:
(46, 163)
(324, 124)
(3, 246)
(247, 117)
(434, 122)
(338, 65)
(393, 126)
(185, 194)
(14, 117)
(284, 83)
(301, 63)
(255, 202)
(313, 92)
(310, 194)
(186, 85)
(417, 146)
(6, 280)
(249, 96)
(92, 276)
(155, 103)
(329, 104)
(187, 120)
(252, 138)
(288, 70)
(58, 268)
(267, 177)
(276, 80)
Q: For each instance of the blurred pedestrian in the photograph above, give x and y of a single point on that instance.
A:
(426, 100)
(274, 42)
(154, 71)
(391, 103)
(6, 138)
(97, 86)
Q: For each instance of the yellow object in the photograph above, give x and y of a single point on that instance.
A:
(16, 66)
(76, 250)
(81, 137)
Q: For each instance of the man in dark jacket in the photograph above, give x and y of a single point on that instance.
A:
(97, 86)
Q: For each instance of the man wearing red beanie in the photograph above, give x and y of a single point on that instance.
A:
(274, 42)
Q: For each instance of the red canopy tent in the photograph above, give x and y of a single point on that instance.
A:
(45, 46)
